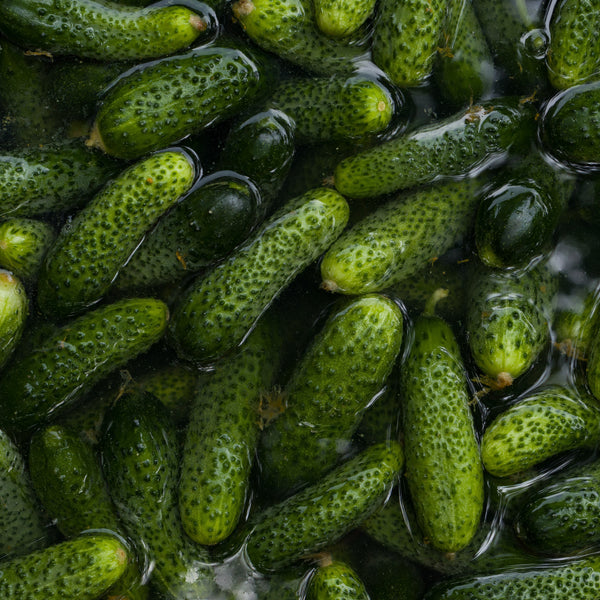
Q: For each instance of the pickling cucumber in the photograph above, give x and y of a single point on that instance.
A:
(14, 307)
(336, 581)
(341, 18)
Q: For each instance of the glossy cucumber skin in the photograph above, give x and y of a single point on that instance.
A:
(88, 253)
(100, 29)
(68, 362)
(575, 326)
(220, 307)
(222, 435)
(324, 512)
(443, 462)
(14, 308)
(541, 425)
(336, 581)
(449, 147)
(345, 366)
(406, 38)
(593, 367)
(52, 178)
(158, 103)
(398, 239)
(573, 56)
(336, 18)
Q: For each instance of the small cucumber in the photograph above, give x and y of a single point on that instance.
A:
(342, 18)
(346, 365)
(221, 306)
(336, 581)
(324, 512)
(92, 248)
(14, 308)
(452, 146)
(70, 361)
(575, 326)
(101, 29)
(543, 424)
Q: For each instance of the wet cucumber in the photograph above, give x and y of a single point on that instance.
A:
(336, 581)
(89, 252)
(71, 360)
(341, 18)
(576, 325)
(593, 367)
(101, 29)
(220, 307)
(14, 307)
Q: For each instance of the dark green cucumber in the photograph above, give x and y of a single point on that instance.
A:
(222, 436)
(158, 103)
(84, 568)
(345, 366)
(541, 425)
(101, 29)
(452, 146)
(400, 238)
(23, 246)
(14, 307)
(338, 19)
(22, 528)
(444, 470)
(324, 512)
(89, 252)
(336, 581)
(214, 217)
(70, 361)
(576, 325)
(51, 178)
(593, 367)
(220, 307)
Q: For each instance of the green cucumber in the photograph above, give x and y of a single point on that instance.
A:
(101, 29)
(452, 146)
(443, 463)
(593, 367)
(89, 252)
(14, 307)
(325, 511)
(398, 239)
(159, 103)
(339, 18)
(543, 424)
(336, 581)
(345, 366)
(221, 306)
(70, 361)
(84, 568)
(576, 325)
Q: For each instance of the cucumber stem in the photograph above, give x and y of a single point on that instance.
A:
(433, 300)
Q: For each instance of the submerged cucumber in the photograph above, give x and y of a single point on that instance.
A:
(336, 581)
(14, 307)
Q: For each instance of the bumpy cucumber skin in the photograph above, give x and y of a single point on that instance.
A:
(444, 470)
(575, 327)
(82, 568)
(159, 103)
(335, 108)
(398, 239)
(406, 39)
(14, 307)
(573, 56)
(450, 147)
(90, 251)
(220, 308)
(74, 358)
(576, 580)
(543, 424)
(100, 29)
(53, 178)
(221, 438)
(336, 581)
(21, 525)
(347, 363)
(324, 512)
(336, 18)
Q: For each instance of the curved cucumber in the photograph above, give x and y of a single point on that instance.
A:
(336, 581)
(220, 308)
(14, 307)
(90, 251)
(100, 29)
(76, 356)
(341, 18)
(346, 365)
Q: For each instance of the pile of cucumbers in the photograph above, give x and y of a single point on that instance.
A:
(299, 299)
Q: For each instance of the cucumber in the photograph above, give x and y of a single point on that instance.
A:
(324, 512)
(336, 581)
(449, 147)
(593, 367)
(576, 326)
(220, 307)
(159, 103)
(544, 423)
(23, 246)
(443, 463)
(101, 29)
(83, 568)
(342, 18)
(70, 361)
(345, 366)
(89, 252)
(14, 307)
(398, 239)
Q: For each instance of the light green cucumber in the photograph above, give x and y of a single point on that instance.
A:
(221, 306)
(336, 581)
(341, 18)
(398, 239)
(89, 252)
(575, 325)
(345, 366)
(14, 307)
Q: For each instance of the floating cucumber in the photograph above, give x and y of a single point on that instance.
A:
(576, 326)
(336, 581)
(94, 246)
(14, 307)
(220, 307)
(339, 18)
